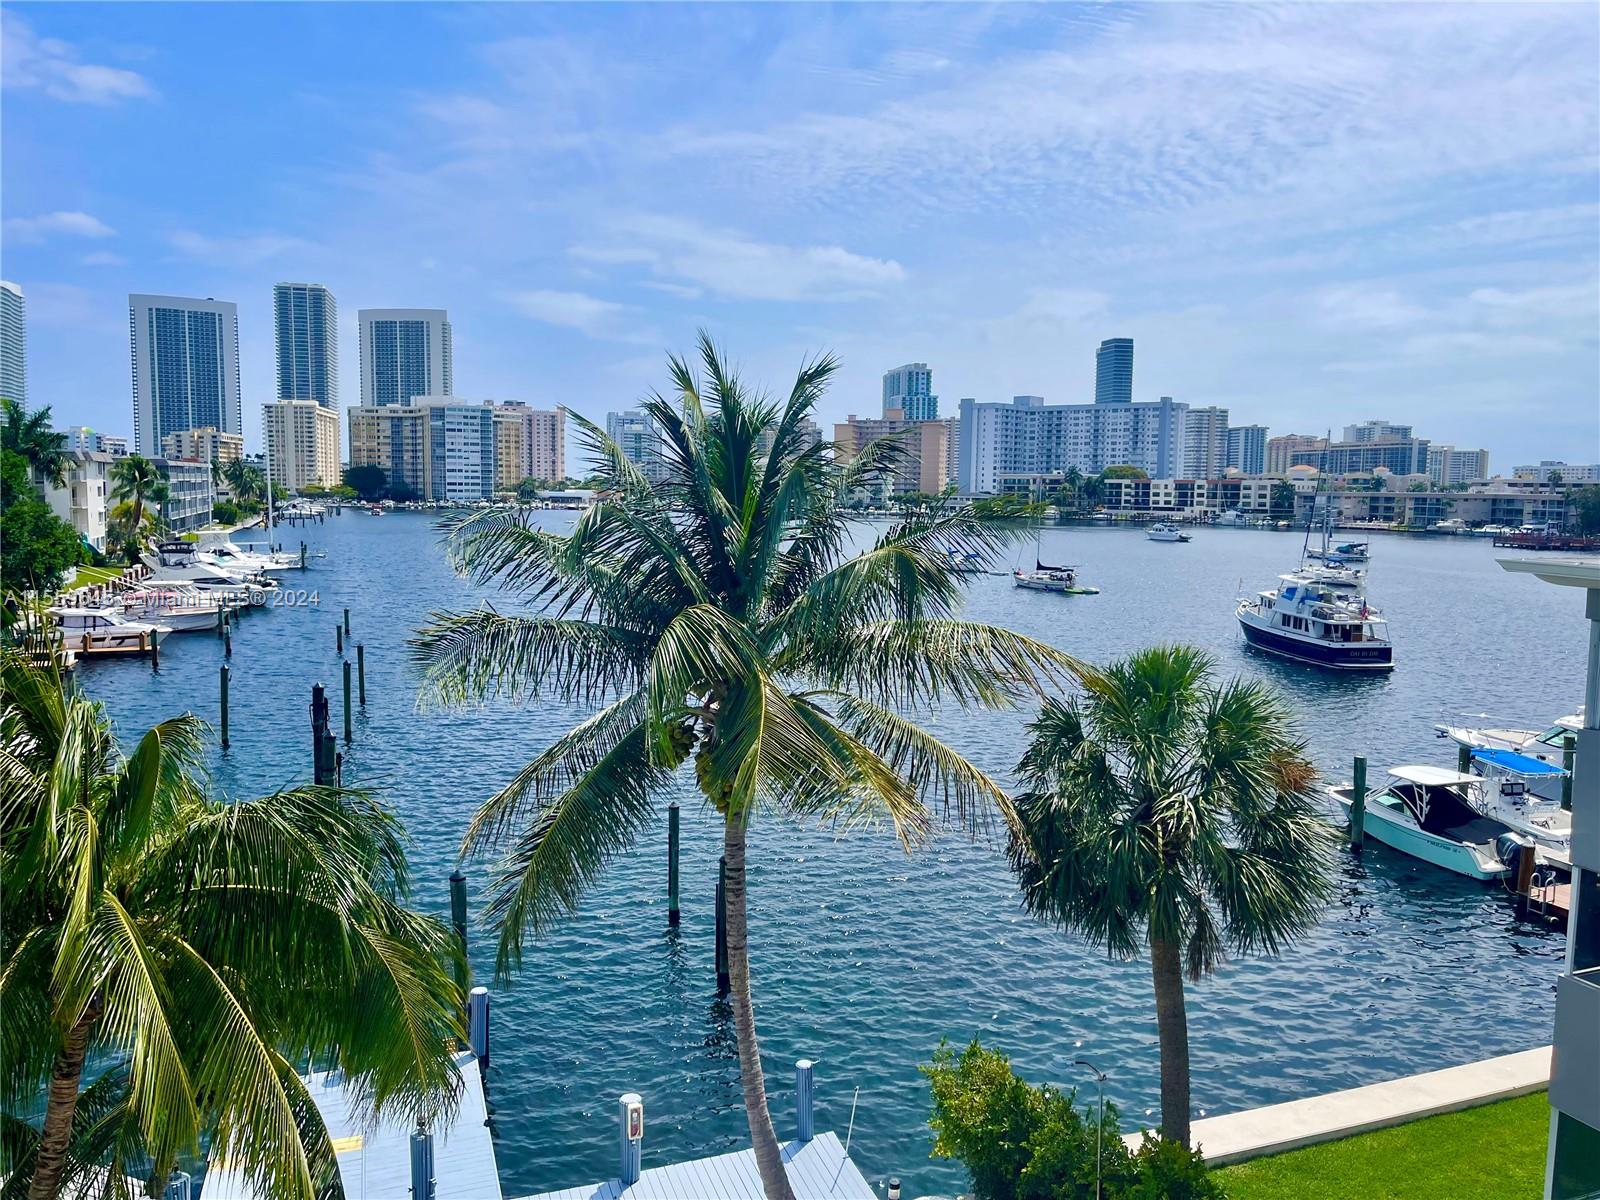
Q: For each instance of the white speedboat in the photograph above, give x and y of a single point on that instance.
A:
(965, 564)
(231, 557)
(1425, 812)
(181, 608)
(1314, 620)
(1348, 552)
(1546, 745)
(1165, 531)
(176, 565)
(1526, 794)
(86, 630)
(1233, 518)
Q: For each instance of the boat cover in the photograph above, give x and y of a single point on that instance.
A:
(1520, 764)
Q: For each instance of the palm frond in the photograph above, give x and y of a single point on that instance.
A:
(484, 654)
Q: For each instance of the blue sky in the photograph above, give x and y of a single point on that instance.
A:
(1311, 214)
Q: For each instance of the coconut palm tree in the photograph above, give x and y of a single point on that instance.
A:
(132, 478)
(721, 613)
(202, 949)
(30, 435)
(1169, 813)
(1074, 482)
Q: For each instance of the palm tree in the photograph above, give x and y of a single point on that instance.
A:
(132, 479)
(245, 480)
(202, 948)
(1093, 489)
(1074, 482)
(30, 435)
(722, 614)
(1170, 812)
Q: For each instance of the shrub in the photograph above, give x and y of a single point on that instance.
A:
(225, 512)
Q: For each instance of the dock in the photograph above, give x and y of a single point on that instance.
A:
(1570, 542)
(818, 1170)
(375, 1161)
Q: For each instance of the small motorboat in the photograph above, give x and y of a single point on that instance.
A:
(965, 564)
(181, 609)
(105, 630)
(1426, 812)
(1165, 531)
(1526, 794)
(1233, 518)
(1349, 552)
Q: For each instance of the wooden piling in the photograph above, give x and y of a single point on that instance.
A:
(724, 980)
(348, 735)
(1525, 857)
(458, 922)
(227, 642)
(1464, 759)
(338, 638)
(1569, 748)
(361, 672)
(224, 673)
(321, 761)
(155, 651)
(1358, 803)
(672, 864)
(347, 622)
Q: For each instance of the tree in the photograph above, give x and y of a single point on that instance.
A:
(723, 609)
(1553, 479)
(198, 947)
(1092, 490)
(30, 435)
(1074, 482)
(1124, 471)
(37, 548)
(1168, 812)
(245, 480)
(1283, 497)
(1584, 504)
(369, 482)
(132, 479)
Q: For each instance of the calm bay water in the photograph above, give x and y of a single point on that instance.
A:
(864, 957)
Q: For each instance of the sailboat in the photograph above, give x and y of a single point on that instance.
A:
(1047, 578)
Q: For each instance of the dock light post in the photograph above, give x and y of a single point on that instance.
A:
(1358, 803)
(478, 1023)
(804, 1100)
(1100, 1121)
(630, 1137)
(422, 1177)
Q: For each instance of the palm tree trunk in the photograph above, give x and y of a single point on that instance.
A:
(1166, 965)
(62, 1102)
(764, 1139)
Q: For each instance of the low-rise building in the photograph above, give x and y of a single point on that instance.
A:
(1507, 502)
(1175, 497)
(1569, 472)
(302, 439)
(440, 447)
(206, 444)
(84, 501)
(190, 494)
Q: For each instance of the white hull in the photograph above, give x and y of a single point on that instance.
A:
(182, 620)
(1398, 832)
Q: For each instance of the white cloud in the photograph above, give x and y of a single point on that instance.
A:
(234, 251)
(737, 266)
(589, 315)
(1362, 306)
(102, 258)
(67, 224)
(51, 66)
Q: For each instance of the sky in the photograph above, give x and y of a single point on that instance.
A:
(1311, 214)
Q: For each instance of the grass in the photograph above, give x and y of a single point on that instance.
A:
(89, 576)
(1496, 1150)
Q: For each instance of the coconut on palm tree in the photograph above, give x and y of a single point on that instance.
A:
(182, 956)
(30, 435)
(1171, 814)
(720, 609)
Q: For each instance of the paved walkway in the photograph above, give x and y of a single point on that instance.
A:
(1278, 1127)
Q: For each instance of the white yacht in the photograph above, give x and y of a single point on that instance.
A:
(229, 556)
(85, 630)
(1425, 812)
(1313, 619)
(1526, 794)
(176, 565)
(182, 608)
(1547, 745)
(1046, 578)
(1166, 531)
(1233, 518)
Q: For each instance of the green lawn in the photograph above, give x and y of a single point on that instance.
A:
(1497, 1150)
(89, 576)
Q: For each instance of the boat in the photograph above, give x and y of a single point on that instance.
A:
(1526, 794)
(1546, 745)
(1425, 812)
(375, 510)
(103, 630)
(1165, 531)
(182, 609)
(968, 563)
(1349, 552)
(176, 564)
(1316, 621)
(1233, 518)
(1044, 578)
(229, 555)
(1452, 525)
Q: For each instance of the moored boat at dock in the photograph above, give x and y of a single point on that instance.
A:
(1425, 812)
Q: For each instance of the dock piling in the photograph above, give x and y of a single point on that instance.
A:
(227, 642)
(1569, 748)
(224, 674)
(321, 755)
(478, 1023)
(422, 1171)
(1464, 759)
(805, 1116)
(630, 1137)
(155, 651)
(361, 672)
(673, 915)
(724, 982)
(347, 622)
(458, 922)
(338, 638)
(348, 735)
(1358, 803)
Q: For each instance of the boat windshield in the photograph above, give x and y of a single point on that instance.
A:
(1556, 736)
(1444, 810)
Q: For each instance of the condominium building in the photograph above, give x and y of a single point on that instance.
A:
(529, 443)
(90, 441)
(206, 445)
(1205, 442)
(185, 354)
(1113, 372)
(909, 389)
(1401, 456)
(1569, 472)
(302, 439)
(927, 457)
(638, 438)
(84, 499)
(440, 447)
(114, 445)
(405, 353)
(1376, 431)
(1031, 436)
(1448, 465)
(190, 494)
(1247, 449)
(306, 330)
(13, 343)
(1282, 449)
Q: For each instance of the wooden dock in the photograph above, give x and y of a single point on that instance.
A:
(818, 1170)
(1549, 541)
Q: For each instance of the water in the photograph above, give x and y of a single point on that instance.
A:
(864, 958)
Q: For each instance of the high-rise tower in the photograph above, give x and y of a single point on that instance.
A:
(185, 355)
(306, 322)
(405, 352)
(1113, 372)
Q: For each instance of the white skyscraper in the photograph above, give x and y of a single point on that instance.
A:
(306, 328)
(13, 343)
(185, 367)
(405, 353)
(1205, 442)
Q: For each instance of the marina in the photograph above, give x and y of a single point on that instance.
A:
(890, 953)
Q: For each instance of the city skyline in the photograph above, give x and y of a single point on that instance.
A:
(1370, 206)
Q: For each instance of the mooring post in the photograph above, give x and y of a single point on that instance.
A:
(347, 622)
(724, 983)
(1358, 803)
(458, 921)
(227, 642)
(1569, 748)
(804, 1094)
(1524, 888)
(422, 1171)
(478, 1023)
(155, 651)
(1464, 759)
(302, 556)
(672, 863)
(224, 670)
(630, 1139)
(361, 672)
(321, 765)
(338, 638)
(348, 735)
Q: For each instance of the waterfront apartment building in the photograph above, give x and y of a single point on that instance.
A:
(84, 500)
(1376, 431)
(114, 445)
(1282, 449)
(1205, 442)
(1569, 472)
(1447, 465)
(1509, 502)
(13, 343)
(440, 447)
(185, 354)
(190, 494)
(1113, 372)
(405, 353)
(89, 441)
(638, 438)
(909, 389)
(302, 439)
(1030, 436)
(1247, 449)
(1399, 456)
(529, 443)
(306, 332)
(208, 444)
(927, 464)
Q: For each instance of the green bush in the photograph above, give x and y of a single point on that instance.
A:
(225, 512)
(1020, 1142)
